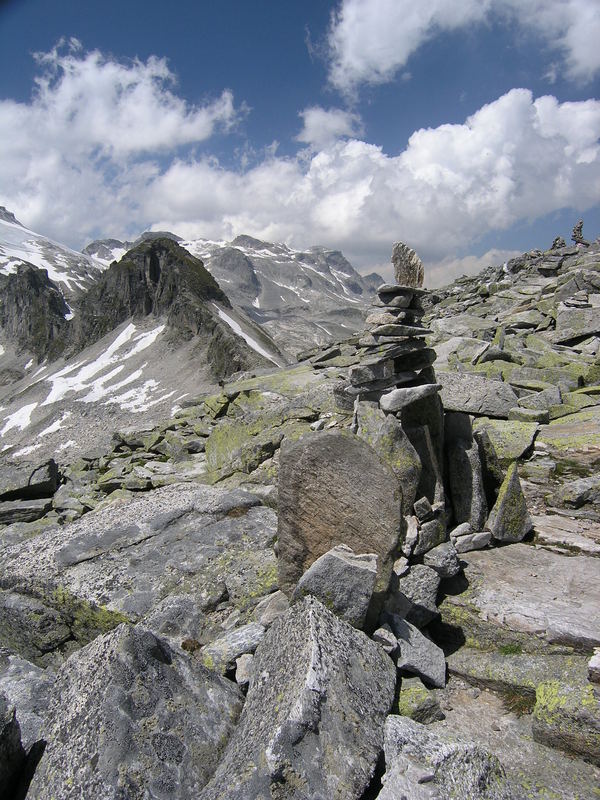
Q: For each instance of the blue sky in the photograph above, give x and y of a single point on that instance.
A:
(467, 128)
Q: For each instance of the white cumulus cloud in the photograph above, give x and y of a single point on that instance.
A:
(371, 40)
(322, 127)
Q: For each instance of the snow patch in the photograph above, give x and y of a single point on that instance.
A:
(236, 328)
(20, 419)
(28, 365)
(25, 451)
(56, 426)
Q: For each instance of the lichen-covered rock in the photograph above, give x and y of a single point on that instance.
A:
(511, 438)
(465, 472)
(568, 717)
(343, 581)
(330, 482)
(385, 435)
(312, 725)
(418, 702)
(509, 519)
(423, 766)
(131, 718)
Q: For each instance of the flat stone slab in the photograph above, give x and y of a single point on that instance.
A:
(574, 535)
(531, 591)
(476, 395)
(187, 540)
(580, 431)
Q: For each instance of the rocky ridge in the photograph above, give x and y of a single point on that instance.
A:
(183, 544)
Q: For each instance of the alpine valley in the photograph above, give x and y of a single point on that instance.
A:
(270, 528)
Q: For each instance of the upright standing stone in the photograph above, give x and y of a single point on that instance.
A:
(408, 267)
(335, 489)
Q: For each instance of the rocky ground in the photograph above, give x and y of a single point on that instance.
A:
(198, 561)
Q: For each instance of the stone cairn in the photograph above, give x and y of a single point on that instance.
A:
(394, 353)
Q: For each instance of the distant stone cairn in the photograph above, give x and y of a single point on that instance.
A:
(577, 235)
(408, 267)
(558, 243)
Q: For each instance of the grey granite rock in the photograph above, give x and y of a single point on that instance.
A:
(12, 755)
(130, 718)
(444, 560)
(422, 766)
(418, 702)
(431, 534)
(465, 472)
(477, 540)
(397, 399)
(271, 607)
(408, 267)
(23, 510)
(476, 395)
(329, 484)
(418, 654)
(415, 598)
(27, 687)
(312, 725)
(24, 482)
(221, 654)
(343, 581)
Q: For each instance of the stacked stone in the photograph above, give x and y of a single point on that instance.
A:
(395, 360)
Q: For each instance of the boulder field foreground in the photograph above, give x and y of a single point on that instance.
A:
(373, 574)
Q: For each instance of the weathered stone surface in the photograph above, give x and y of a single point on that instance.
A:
(568, 717)
(509, 519)
(511, 439)
(23, 510)
(576, 323)
(580, 492)
(397, 399)
(415, 598)
(148, 722)
(527, 596)
(386, 436)
(476, 395)
(312, 725)
(384, 637)
(431, 534)
(431, 483)
(418, 654)
(27, 687)
(444, 560)
(221, 654)
(594, 667)
(187, 540)
(329, 484)
(271, 607)
(472, 541)
(343, 581)
(540, 401)
(422, 766)
(418, 702)
(408, 267)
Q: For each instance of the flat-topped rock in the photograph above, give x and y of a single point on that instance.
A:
(400, 289)
(476, 395)
(536, 595)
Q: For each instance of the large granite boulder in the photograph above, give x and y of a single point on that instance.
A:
(312, 725)
(12, 755)
(131, 718)
(335, 489)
